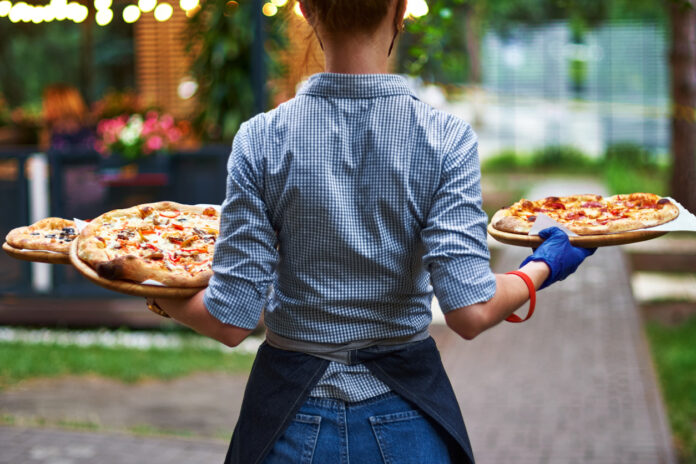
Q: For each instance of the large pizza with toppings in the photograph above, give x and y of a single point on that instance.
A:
(589, 214)
(167, 242)
(49, 234)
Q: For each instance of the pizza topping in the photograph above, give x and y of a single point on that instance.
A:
(145, 211)
(210, 211)
(170, 214)
(592, 204)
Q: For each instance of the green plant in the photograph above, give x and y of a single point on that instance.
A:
(675, 359)
(629, 154)
(220, 40)
(562, 156)
(20, 361)
(505, 160)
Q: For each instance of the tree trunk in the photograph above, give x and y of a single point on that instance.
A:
(473, 43)
(683, 88)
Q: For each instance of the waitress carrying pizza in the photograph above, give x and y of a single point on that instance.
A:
(347, 208)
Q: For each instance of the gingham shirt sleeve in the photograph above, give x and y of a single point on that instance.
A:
(457, 255)
(245, 252)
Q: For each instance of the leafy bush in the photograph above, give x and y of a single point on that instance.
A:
(505, 160)
(629, 154)
(562, 157)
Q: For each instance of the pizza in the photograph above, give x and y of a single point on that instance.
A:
(589, 214)
(168, 242)
(49, 234)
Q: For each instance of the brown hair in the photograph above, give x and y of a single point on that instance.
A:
(344, 16)
(62, 102)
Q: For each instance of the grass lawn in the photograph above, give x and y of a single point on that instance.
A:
(674, 352)
(21, 360)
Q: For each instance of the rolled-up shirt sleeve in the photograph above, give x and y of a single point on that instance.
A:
(245, 252)
(454, 237)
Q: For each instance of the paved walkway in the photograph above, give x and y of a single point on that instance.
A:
(573, 385)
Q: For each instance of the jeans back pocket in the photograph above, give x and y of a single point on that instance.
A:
(297, 444)
(409, 438)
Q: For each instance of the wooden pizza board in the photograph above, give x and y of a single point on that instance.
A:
(583, 241)
(36, 256)
(128, 287)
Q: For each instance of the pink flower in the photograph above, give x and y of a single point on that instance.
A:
(154, 143)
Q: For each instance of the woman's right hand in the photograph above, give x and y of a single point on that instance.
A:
(560, 256)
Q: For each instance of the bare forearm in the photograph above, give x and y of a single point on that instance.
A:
(511, 293)
(193, 313)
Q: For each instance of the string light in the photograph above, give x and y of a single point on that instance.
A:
(131, 13)
(163, 12)
(298, 10)
(60, 10)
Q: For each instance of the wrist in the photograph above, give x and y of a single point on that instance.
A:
(538, 271)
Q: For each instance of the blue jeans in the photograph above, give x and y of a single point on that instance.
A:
(381, 430)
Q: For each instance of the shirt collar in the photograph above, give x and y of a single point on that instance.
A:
(356, 85)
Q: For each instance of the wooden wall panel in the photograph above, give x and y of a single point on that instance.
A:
(162, 62)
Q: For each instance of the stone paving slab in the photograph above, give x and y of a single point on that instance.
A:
(19, 445)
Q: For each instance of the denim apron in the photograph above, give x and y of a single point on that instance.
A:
(281, 380)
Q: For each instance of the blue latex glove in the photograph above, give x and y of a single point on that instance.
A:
(557, 252)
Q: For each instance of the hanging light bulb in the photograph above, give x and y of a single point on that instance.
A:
(163, 12)
(147, 5)
(104, 17)
(131, 13)
(279, 3)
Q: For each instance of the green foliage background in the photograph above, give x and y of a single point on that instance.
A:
(221, 37)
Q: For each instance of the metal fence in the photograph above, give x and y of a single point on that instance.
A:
(611, 86)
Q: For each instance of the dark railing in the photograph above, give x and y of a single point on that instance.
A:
(84, 185)
(15, 276)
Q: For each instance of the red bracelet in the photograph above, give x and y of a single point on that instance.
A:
(532, 297)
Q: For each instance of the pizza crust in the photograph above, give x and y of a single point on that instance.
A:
(130, 267)
(47, 234)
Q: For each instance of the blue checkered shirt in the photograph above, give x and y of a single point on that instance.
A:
(347, 207)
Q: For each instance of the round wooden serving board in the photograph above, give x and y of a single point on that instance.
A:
(36, 256)
(128, 287)
(583, 241)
